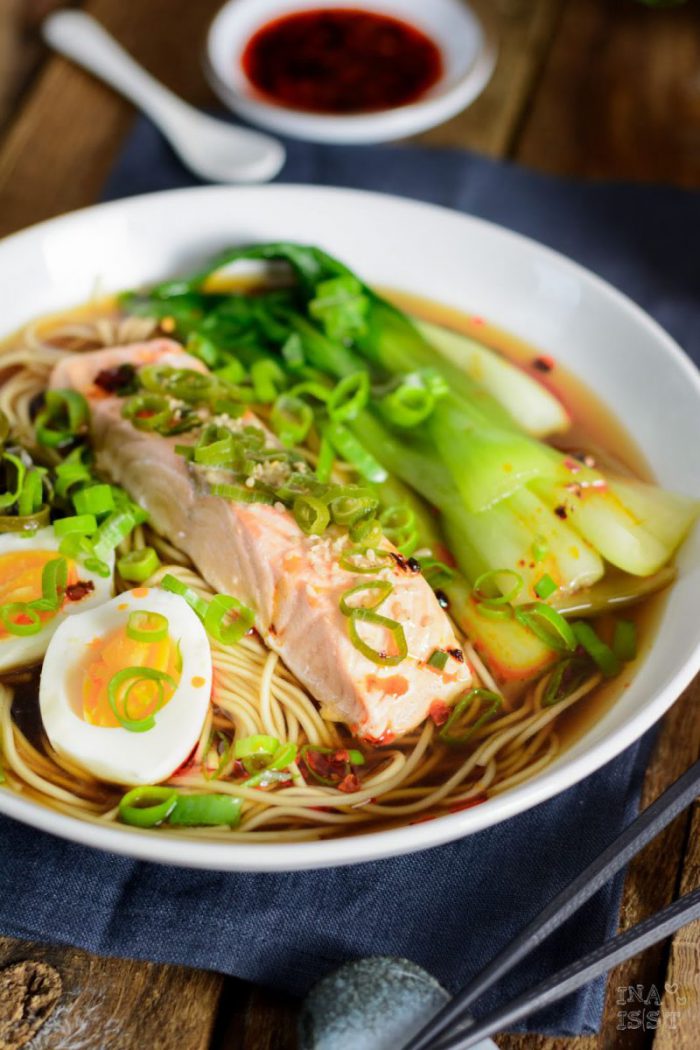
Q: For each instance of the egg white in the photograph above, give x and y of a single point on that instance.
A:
(23, 650)
(113, 753)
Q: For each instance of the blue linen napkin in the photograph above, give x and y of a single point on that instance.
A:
(451, 908)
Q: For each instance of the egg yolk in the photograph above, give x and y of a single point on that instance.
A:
(115, 651)
(20, 578)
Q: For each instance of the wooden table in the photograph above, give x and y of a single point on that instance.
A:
(601, 88)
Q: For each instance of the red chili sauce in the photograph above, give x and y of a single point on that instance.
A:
(339, 60)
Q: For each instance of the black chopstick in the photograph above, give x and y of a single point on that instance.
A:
(640, 832)
(574, 976)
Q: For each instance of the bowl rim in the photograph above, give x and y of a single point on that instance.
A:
(444, 100)
(369, 846)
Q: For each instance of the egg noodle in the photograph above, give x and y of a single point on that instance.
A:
(416, 778)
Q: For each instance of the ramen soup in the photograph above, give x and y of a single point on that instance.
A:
(284, 560)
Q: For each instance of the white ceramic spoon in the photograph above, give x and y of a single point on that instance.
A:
(212, 149)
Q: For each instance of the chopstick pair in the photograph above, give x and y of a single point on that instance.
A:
(638, 834)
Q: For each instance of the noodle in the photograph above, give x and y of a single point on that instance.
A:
(254, 693)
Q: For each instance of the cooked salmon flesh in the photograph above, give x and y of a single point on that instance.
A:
(259, 554)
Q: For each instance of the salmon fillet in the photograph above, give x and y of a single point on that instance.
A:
(258, 553)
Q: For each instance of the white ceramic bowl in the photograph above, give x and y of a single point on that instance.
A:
(475, 266)
(467, 43)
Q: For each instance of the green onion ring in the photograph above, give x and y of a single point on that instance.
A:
(291, 419)
(118, 679)
(349, 397)
(174, 586)
(215, 619)
(10, 610)
(142, 625)
(493, 702)
(625, 640)
(407, 406)
(31, 494)
(205, 811)
(147, 411)
(54, 578)
(7, 499)
(348, 556)
(160, 802)
(601, 654)
(64, 416)
(77, 525)
(384, 587)
(394, 628)
(94, 499)
(311, 515)
(354, 452)
(243, 494)
(138, 565)
(491, 578)
(548, 625)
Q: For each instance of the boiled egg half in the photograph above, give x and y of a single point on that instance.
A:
(26, 632)
(125, 688)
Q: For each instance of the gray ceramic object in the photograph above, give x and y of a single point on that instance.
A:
(371, 1004)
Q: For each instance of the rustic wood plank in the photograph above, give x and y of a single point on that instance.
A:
(619, 97)
(255, 1019)
(650, 885)
(21, 51)
(524, 29)
(679, 1023)
(117, 1002)
(57, 156)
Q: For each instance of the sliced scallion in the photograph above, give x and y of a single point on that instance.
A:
(54, 578)
(31, 495)
(407, 406)
(205, 811)
(15, 464)
(147, 411)
(291, 419)
(311, 515)
(326, 459)
(382, 589)
(145, 626)
(349, 397)
(76, 525)
(119, 697)
(489, 584)
(219, 624)
(354, 452)
(625, 640)
(147, 807)
(438, 659)
(549, 626)
(63, 418)
(365, 559)
(94, 499)
(545, 587)
(601, 654)
(175, 586)
(242, 494)
(490, 701)
(20, 618)
(138, 565)
(392, 627)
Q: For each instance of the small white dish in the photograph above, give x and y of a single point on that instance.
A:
(467, 41)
